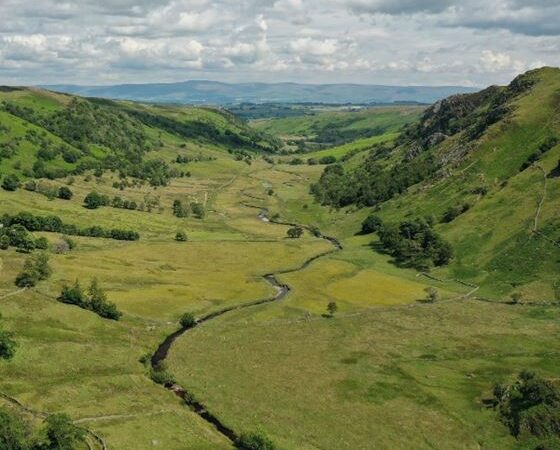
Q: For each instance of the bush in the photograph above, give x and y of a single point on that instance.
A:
(327, 160)
(187, 320)
(65, 193)
(34, 270)
(254, 441)
(371, 224)
(4, 242)
(161, 375)
(181, 236)
(10, 182)
(94, 200)
(295, 232)
(7, 350)
(95, 300)
(62, 434)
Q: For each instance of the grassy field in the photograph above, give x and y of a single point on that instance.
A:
(338, 127)
(388, 371)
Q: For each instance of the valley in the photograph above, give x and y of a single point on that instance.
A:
(256, 239)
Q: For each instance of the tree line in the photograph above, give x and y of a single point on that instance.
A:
(55, 224)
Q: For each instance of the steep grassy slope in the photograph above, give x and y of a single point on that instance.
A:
(497, 152)
(43, 134)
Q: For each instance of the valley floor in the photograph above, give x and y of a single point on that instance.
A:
(387, 372)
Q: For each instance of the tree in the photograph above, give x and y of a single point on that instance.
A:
(7, 347)
(254, 441)
(65, 193)
(187, 320)
(61, 433)
(35, 269)
(13, 433)
(371, 224)
(198, 210)
(10, 182)
(94, 200)
(98, 303)
(4, 242)
(181, 236)
(179, 210)
(73, 295)
(332, 308)
(295, 232)
(432, 294)
(41, 243)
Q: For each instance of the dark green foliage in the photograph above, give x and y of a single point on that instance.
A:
(41, 243)
(254, 441)
(181, 236)
(549, 143)
(179, 210)
(10, 182)
(530, 408)
(327, 160)
(454, 211)
(94, 300)
(188, 320)
(332, 308)
(161, 375)
(61, 433)
(65, 193)
(35, 269)
(16, 228)
(198, 210)
(370, 183)
(94, 200)
(4, 242)
(371, 224)
(7, 349)
(295, 232)
(14, 434)
(415, 244)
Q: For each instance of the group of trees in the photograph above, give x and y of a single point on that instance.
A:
(330, 159)
(370, 183)
(57, 433)
(530, 408)
(36, 268)
(183, 210)
(51, 192)
(94, 299)
(413, 243)
(55, 224)
(17, 236)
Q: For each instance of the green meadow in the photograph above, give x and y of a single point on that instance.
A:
(386, 370)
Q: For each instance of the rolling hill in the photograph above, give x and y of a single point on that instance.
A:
(213, 92)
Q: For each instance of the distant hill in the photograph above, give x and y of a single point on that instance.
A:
(212, 92)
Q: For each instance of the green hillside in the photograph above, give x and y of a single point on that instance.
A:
(484, 168)
(170, 278)
(320, 128)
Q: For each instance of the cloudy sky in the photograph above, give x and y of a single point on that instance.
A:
(411, 42)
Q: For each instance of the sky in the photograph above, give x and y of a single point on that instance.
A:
(395, 42)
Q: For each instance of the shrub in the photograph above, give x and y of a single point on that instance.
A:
(35, 269)
(181, 236)
(95, 300)
(7, 350)
(41, 243)
(332, 308)
(94, 200)
(371, 224)
(295, 232)
(254, 441)
(62, 434)
(327, 160)
(65, 193)
(10, 182)
(4, 242)
(161, 375)
(187, 320)
(198, 210)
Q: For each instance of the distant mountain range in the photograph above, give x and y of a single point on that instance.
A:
(213, 92)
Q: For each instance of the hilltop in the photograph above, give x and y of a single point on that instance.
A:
(213, 92)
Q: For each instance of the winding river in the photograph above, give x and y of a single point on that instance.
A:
(281, 289)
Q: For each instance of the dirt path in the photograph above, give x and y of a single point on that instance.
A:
(281, 289)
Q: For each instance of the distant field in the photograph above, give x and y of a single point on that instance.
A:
(330, 128)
